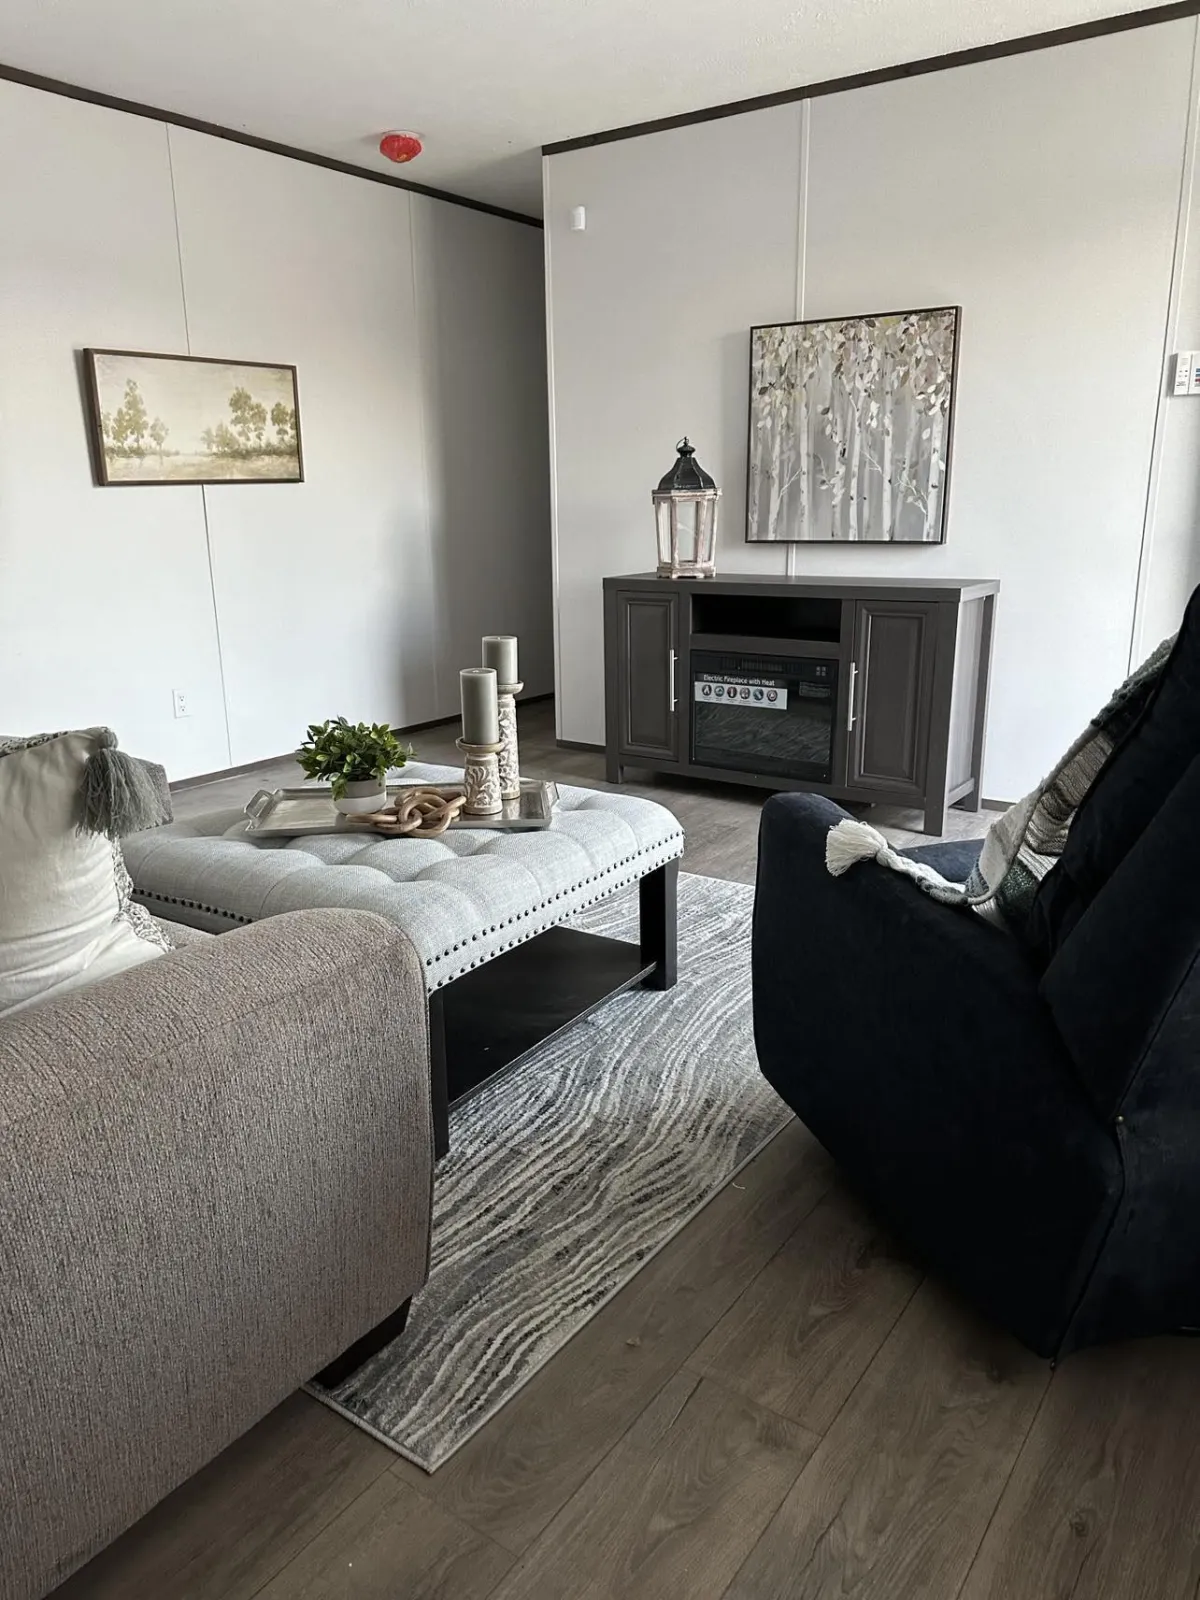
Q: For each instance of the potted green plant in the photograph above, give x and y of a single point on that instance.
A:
(355, 758)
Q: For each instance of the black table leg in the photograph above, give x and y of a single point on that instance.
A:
(439, 1089)
(658, 892)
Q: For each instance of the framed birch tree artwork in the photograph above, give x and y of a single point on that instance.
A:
(850, 428)
(191, 419)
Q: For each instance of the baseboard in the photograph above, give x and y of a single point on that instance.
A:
(995, 805)
(251, 766)
(180, 784)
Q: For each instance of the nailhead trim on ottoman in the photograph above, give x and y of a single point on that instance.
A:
(471, 890)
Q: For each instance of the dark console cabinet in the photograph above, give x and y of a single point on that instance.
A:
(647, 712)
(880, 687)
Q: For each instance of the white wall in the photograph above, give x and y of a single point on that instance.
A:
(360, 591)
(482, 331)
(323, 589)
(1040, 192)
(104, 593)
(648, 320)
(1171, 557)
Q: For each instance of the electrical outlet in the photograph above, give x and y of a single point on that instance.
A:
(181, 703)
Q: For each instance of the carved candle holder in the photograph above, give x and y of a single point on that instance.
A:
(510, 760)
(481, 779)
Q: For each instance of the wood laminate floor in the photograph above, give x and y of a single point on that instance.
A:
(778, 1407)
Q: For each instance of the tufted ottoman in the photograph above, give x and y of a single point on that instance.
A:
(484, 910)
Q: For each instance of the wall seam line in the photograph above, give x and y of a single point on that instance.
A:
(801, 254)
(437, 642)
(187, 332)
(208, 554)
(555, 583)
(1170, 335)
(212, 589)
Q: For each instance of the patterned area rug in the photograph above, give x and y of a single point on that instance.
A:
(567, 1177)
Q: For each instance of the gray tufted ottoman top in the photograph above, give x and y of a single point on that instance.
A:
(462, 898)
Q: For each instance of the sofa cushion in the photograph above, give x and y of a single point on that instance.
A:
(66, 911)
(1146, 764)
(955, 859)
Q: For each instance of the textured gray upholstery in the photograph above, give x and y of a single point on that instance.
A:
(215, 1174)
(462, 898)
(181, 935)
(159, 776)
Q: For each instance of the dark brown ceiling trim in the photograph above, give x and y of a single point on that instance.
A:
(134, 108)
(909, 69)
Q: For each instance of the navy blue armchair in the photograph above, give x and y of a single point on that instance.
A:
(1031, 1127)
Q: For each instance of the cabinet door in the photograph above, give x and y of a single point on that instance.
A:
(890, 689)
(647, 670)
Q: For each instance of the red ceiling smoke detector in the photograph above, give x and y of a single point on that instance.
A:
(400, 146)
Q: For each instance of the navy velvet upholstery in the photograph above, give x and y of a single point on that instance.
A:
(1157, 737)
(953, 858)
(1035, 1140)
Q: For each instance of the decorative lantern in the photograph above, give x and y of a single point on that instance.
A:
(685, 509)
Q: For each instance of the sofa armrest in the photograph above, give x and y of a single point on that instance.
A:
(158, 777)
(910, 1037)
(867, 968)
(215, 1174)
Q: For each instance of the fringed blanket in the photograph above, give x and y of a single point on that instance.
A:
(1024, 843)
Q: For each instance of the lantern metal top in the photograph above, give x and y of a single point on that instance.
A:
(687, 476)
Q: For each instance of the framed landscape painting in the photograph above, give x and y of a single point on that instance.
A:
(851, 423)
(191, 419)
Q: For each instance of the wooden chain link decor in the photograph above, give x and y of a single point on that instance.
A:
(423, 814)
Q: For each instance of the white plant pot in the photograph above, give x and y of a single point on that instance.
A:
(362, 796)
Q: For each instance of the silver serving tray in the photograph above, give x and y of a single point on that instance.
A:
(291, 813)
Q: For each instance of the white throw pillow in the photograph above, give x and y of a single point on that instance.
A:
(66, 911)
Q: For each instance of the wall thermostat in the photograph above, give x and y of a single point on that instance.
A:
(1187, 372)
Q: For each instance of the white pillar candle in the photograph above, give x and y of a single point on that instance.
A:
(500, 652)
(480, 710)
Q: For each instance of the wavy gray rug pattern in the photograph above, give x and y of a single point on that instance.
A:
(566, 1177)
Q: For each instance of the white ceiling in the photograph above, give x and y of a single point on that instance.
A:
(486, 82)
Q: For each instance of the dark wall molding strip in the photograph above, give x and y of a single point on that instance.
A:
(134, 108)
(1075, 34)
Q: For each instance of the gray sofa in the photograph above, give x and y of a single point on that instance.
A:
(215, 1175)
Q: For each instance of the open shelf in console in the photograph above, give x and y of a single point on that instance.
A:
(768, 616)
(756, 644)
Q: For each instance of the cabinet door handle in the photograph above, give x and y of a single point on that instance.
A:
(851, 717)
(671, 664)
